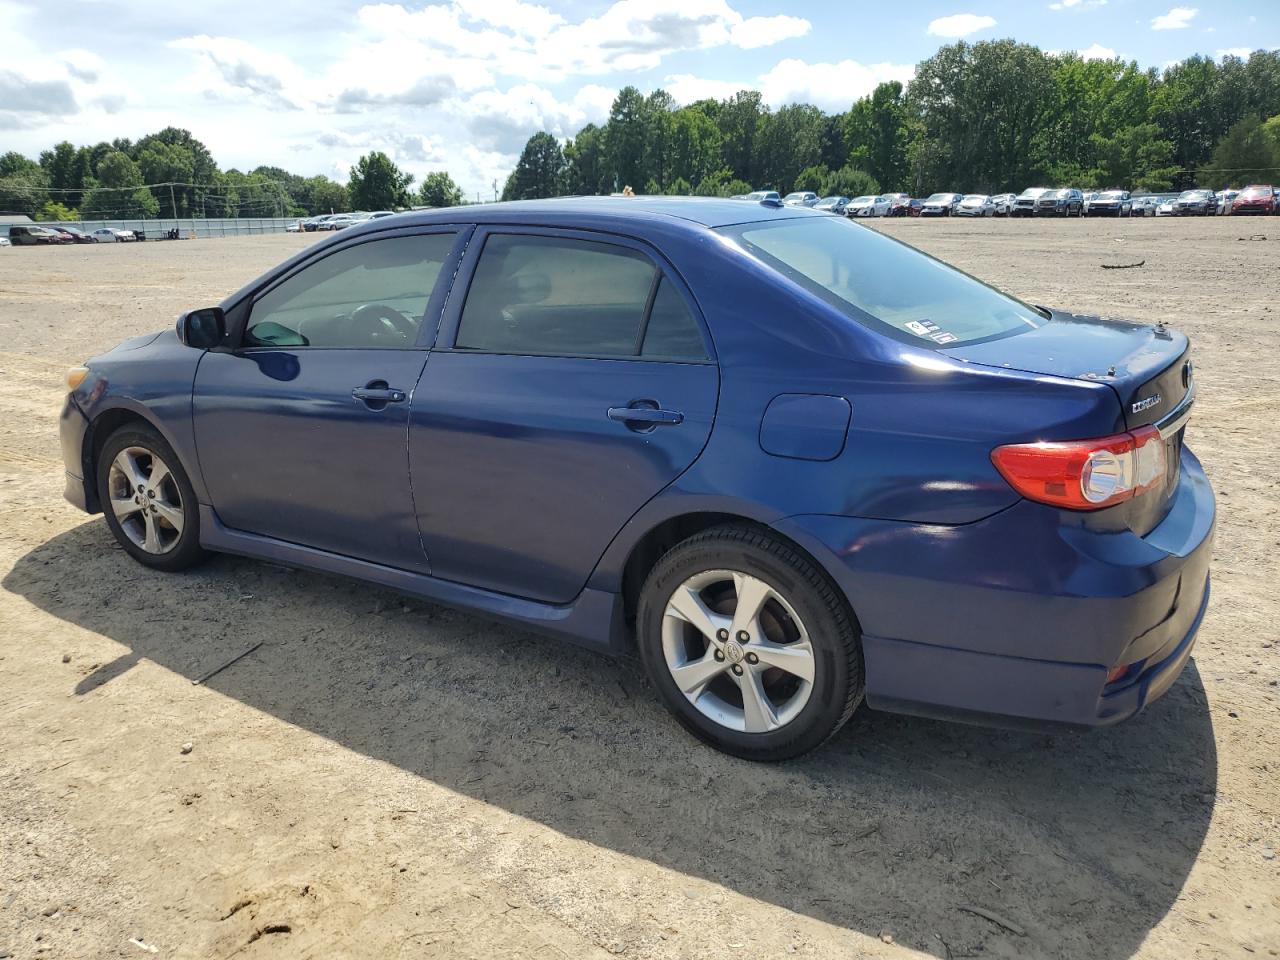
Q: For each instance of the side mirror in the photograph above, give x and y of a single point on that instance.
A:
(202, 329)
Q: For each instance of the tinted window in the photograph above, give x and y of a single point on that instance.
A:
(878, 281)
(371, 295)
(672, 332)
(557, 296)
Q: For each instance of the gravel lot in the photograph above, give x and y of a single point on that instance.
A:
(382, 779)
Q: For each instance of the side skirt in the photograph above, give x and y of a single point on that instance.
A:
(594, 620)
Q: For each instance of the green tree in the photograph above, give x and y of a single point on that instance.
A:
(52, 210)
(813, 178)
(322, 195)
(625, 135)
(659, 130)
(439, 190)
(539, 172)
(66, 172)
(850, 182)
(695, 144)
(118, 193)
(1135, 158)
(739, 120)
(788, 142)
(1245, 155)
(585, 163)
(680, 187)
(981, 107)
(378, 184)
(24, 184)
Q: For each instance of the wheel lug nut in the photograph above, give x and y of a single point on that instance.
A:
(743, 636)
(722, 634)
(752, 658)
(737, 670)
(719, 655)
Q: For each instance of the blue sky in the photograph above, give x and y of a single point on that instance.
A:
(310, 85)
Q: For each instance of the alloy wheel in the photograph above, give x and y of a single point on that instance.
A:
(146, 499)
(738, 651)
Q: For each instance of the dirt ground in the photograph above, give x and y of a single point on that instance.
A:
(391, 780)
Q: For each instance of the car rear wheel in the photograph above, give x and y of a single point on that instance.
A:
(749, 644)
(148, 501)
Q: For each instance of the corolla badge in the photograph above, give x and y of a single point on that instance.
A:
(1146, 403)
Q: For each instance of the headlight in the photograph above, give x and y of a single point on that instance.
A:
(75, 377)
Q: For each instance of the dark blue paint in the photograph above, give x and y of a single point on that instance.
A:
(804, 426)
(521, 476)
(328, 471)
(504, 484)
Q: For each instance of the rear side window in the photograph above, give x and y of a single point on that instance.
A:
(882, 283)
(558, 296)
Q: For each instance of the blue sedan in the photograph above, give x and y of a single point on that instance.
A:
(794, 464)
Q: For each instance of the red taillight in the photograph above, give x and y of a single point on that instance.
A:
(1085, 474)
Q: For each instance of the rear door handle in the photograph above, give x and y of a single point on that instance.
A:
(376, 394)
(645, 414)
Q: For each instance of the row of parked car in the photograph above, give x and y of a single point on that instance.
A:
(335, 221)
(1038, 202)
(34, 235)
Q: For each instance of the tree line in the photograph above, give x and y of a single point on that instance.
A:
(986, 117)
(172, 174)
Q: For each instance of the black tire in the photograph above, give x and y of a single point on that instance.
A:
(833, 634)
(184, 551)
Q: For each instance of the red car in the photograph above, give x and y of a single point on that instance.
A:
(1255, 198)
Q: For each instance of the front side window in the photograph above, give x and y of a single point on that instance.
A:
(560, 296)
(372, 295)
(880, 282)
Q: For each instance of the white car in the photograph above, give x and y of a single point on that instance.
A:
(295, 227)
(976, 205)
(1003, 202)
(1165, 207)
(801, 198)
(868, 207)
(4, 242)
(112, 235)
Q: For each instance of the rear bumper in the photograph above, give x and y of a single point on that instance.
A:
(1019, 618)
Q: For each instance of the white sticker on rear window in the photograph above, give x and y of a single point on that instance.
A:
(921, 327)
(941, 337)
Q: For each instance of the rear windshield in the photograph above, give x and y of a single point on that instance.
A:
(883, 283)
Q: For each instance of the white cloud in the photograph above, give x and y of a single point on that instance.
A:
(504, 120)
(960, 25)
(236, 69)
(1082, 4)
(1097, 51)
(530, 42)
(831, 86)
(1175, 19)
(1241, 52)
(756, 32)
(686, 88)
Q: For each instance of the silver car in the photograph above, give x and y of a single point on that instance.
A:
(976, 205)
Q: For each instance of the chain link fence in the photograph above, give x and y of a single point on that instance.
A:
(160, 228)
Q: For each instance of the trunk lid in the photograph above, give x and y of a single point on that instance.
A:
(1147, 367)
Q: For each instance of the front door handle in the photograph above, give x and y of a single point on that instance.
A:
(645, 415)
(376, 394)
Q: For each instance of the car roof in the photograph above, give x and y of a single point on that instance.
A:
(603, 212)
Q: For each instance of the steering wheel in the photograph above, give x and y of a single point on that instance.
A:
(379, 322)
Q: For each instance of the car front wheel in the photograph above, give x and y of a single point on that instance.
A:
(749, 644)
(148, 501)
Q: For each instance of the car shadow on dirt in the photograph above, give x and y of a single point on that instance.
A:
(1076, 844)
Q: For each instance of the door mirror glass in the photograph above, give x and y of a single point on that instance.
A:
(202, 329)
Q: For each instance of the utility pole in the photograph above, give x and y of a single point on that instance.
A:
(172, 204)
(495, 189)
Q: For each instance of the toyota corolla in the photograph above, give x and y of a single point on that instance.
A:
(795, 464)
